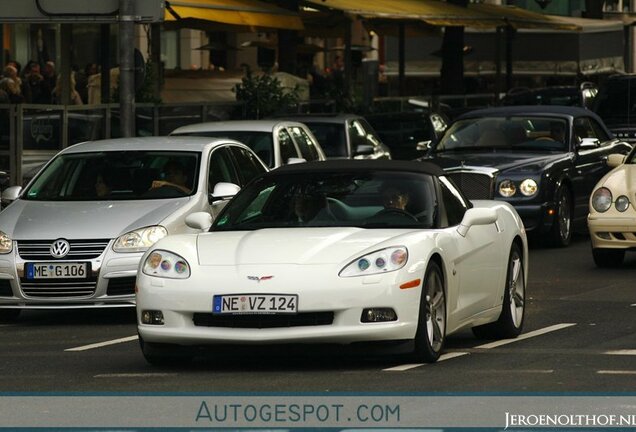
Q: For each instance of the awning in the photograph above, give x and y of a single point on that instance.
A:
(250, 13)
(440, 13)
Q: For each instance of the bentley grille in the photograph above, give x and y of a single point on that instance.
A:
(80, 249)
(473, 185)
(58, 288)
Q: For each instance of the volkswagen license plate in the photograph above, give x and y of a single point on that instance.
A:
(57, 270)
(255, 304)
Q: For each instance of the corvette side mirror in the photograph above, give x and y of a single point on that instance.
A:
(615, 160)
(476, 216)
(199, 220)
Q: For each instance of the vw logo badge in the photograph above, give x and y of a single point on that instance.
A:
(60, 248)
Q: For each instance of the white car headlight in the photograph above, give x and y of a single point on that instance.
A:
(166, 264)
(602, 199)
(382, 261)
(6, 244)
(529, 187)
(140, 240)
(622, 203)
(507, 188)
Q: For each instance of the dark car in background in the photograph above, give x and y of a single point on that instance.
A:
(616, 105)
(344, 136)
(544, 160)
(408, 134)
(577, 95)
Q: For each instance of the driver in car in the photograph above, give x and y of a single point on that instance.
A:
(394, 198)
(175, 177)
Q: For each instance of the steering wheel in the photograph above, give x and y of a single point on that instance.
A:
(390, 211)
(544, 138)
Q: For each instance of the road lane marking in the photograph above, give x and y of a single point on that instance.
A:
(441, 358)
(103, 344)
(621, 352)
(616, 372)
(134, 375)
(526, 336)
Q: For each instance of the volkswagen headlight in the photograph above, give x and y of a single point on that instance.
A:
(622, 203)
(166, 264)
(382, 261)
(6, 244)
(602, 199)
(529, 187)
(507, 188)
(139, 240)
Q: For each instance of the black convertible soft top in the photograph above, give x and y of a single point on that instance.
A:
(351, 165)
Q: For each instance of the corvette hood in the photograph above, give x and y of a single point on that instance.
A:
(503, 161)
(290, 246)
(33, 220)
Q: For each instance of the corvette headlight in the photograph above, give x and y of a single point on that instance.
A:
(602, 199)
(166, 264)
(6, 244)
(528, 187)
(507, 188)
(382, 261)
(139, 240)
(622, 203)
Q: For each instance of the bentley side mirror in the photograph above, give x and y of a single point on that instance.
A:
(588, 143)
(295, 160)
(364, 150)
(424, 145)
(476, 216)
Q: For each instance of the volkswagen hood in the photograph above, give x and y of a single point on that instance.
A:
(34, 220)
(292, 246)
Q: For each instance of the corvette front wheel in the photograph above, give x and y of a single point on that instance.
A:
(431, 327)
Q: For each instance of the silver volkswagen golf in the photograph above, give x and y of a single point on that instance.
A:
(74, 236)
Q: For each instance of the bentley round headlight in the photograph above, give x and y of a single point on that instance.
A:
(622, 203)
(507, 188)
(528, 187)
(602, 199)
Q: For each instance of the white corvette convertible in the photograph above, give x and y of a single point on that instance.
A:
(337, 252)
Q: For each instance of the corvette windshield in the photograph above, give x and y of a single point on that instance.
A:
(331, 199)
(114, 176)
(520, 133)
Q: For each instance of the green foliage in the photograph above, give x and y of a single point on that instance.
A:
(264, 95)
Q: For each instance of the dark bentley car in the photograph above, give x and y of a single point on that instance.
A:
(544, 160)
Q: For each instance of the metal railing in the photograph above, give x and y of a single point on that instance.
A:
(31, 134)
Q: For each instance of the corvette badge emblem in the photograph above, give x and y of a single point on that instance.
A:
(259, 278)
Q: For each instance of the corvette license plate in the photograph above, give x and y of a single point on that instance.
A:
(57, 270)
(255, 304)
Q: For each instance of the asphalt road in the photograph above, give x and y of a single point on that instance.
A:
(579, 336)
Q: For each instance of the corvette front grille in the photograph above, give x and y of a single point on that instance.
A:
(473, 185)
(80, 249)
(263, 321)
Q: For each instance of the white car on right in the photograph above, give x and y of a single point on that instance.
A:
(612, 216)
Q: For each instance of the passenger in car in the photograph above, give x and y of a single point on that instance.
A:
(102, 186)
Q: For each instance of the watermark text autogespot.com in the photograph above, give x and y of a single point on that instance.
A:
(569, 420)
(297, 413)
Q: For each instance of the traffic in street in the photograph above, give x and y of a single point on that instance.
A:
(579, 336)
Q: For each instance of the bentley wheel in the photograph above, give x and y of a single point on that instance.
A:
(608, 258)
(158, 354)
(431, 327)
(9, 315)
(561, 232)
(510, 320)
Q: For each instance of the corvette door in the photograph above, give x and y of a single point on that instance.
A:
(477, 262)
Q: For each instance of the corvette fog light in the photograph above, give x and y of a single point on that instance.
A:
(378, 315)
(604, 235)
(152, 317)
